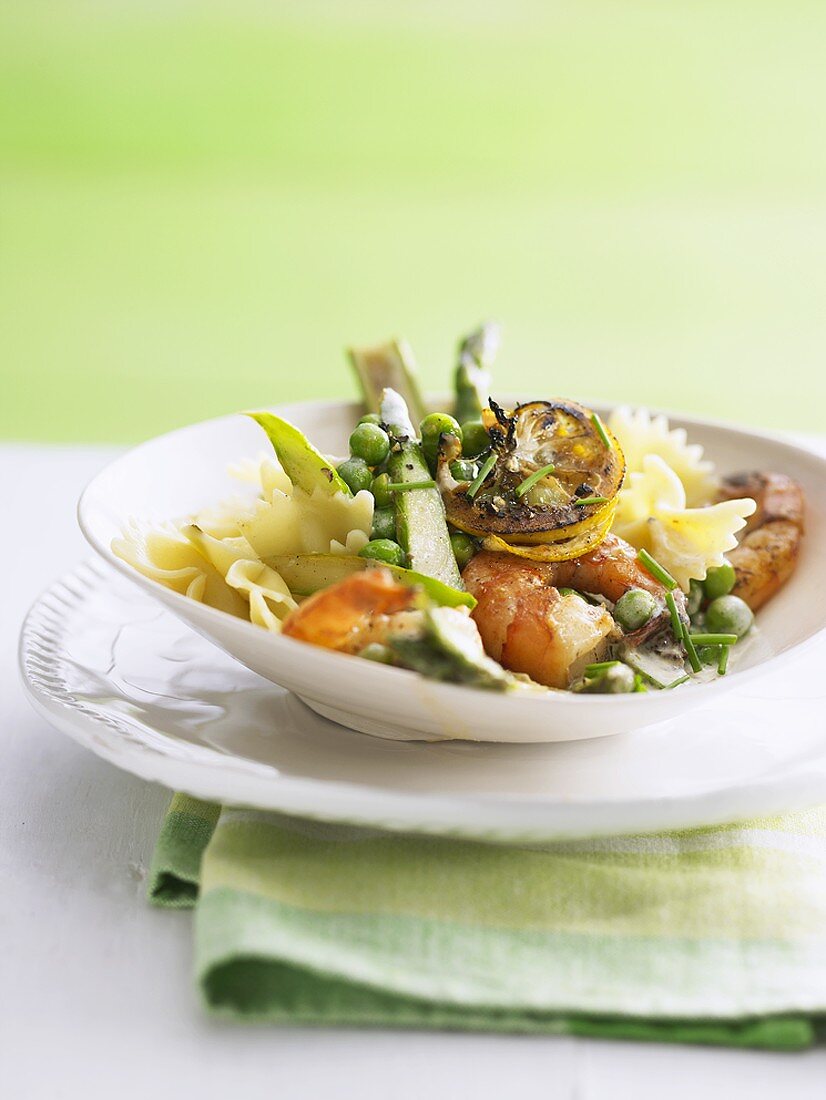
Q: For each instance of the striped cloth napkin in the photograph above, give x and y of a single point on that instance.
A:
(709, 936)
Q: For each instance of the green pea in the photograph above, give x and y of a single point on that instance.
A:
(437, 424)
(719, 581)
(616, 680)
(431, 430)
(383, 550)
(709, 654)
(694, 599)
(729, 615)
(377, 652)
(475, 438)
(356, 473)
(371, 443)
(463, 469)
(369, 418)
(384, 524)
(463, 548)
(634, 609)
(378, 487)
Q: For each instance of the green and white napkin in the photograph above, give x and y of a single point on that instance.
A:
(710, 936)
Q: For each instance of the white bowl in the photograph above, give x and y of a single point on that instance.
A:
(181, 472)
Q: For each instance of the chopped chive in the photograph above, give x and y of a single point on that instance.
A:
(590, 500)
(688, 642)
(676, 683)
(532, 479)
(567, 592)
(651, 679)
(406, 486)
(598, 666)
(596, 420)
(723, 662)
(714, 639)
(676, 621)
(487, 466)
(656, 570)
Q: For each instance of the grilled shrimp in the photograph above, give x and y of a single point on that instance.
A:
(347, 616)
(529, 626)
(611, 570)
(769, 548)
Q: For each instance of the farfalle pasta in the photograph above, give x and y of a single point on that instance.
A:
(652, 515)
(269, 598)
(217, 558)
(640, 434)
(165, 555)
(300, 523)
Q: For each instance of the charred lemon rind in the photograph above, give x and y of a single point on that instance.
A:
(560, 550)
(535, 434)
(586, 519)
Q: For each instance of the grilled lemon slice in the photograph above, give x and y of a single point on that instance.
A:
(522, 502)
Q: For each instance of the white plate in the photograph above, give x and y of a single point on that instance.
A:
(110, 667)
(184, 471)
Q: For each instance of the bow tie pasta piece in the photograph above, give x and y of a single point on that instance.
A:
(301, 523)
(221, 520)
(264, 471)
(165, 555)
(640, 497)
(222, 553)
(652, 515)
(640, 434)
(690, 541)
(272, 478)
(269, 598)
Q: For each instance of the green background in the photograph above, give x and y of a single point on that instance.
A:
(203, 203)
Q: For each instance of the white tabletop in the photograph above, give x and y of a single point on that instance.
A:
(96, 994)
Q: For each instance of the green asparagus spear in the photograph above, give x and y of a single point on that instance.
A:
(421, 527)
(472, 378)
(306, 467)
(387, 366)
(449, 648)
(305, 574)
